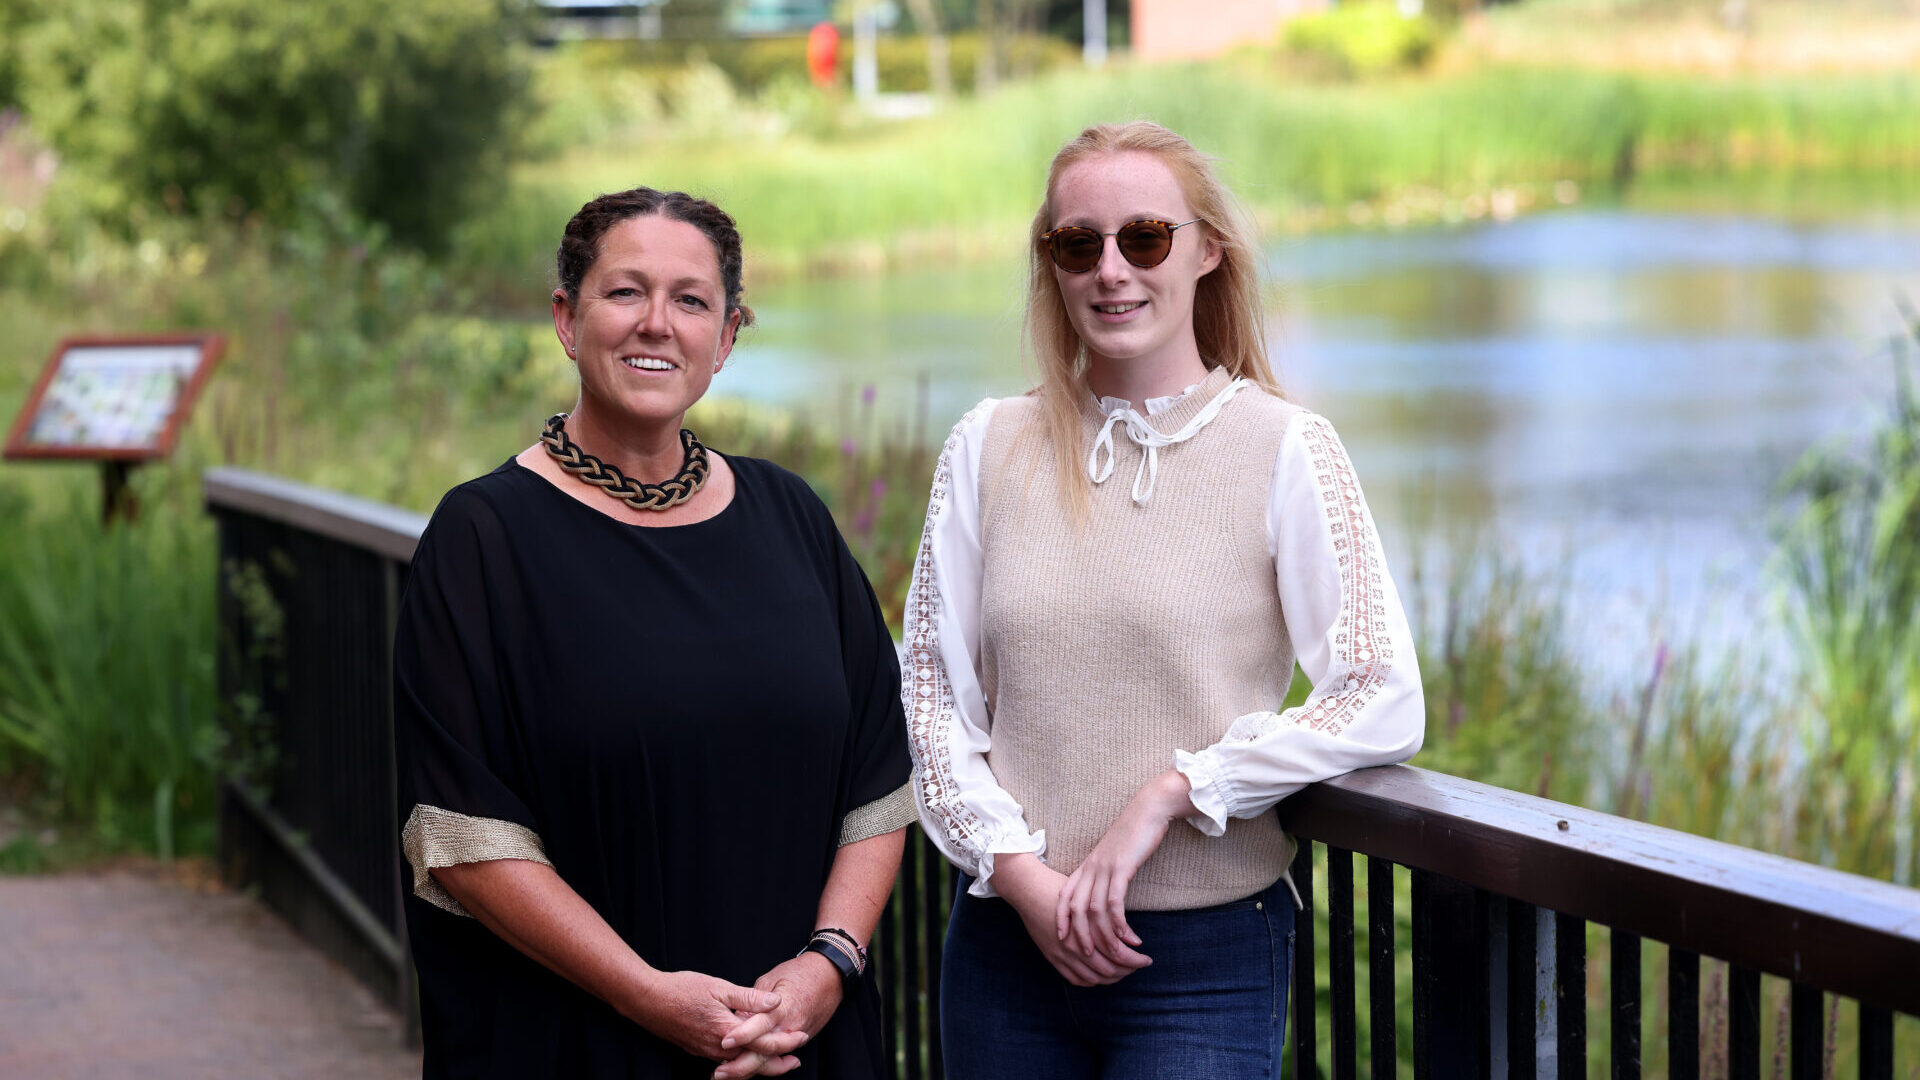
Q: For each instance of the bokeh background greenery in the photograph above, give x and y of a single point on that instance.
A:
(365, 200)
(365, 196)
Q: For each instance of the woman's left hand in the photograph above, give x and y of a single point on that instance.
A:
(810, 990)
(1092, 913)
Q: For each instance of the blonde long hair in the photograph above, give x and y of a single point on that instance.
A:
(1227, 322)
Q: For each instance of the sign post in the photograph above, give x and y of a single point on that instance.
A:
(116, 400)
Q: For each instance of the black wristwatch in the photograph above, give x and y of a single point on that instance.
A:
(849, 971)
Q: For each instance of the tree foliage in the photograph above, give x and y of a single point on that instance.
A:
(240, 107)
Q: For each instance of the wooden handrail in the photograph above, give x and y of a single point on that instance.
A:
(382, 529)
(1841, 932)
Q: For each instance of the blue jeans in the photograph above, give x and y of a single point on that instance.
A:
(1212, 1005)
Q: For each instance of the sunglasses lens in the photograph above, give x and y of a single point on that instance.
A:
(1076, 250)
(1145, 243)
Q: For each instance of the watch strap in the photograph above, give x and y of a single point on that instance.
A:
(836, 956)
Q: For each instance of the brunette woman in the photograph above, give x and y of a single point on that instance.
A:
(652, 761)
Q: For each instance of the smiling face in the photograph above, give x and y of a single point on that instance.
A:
(650, 326)
(1129, 317)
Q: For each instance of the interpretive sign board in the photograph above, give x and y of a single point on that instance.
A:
(114, 399)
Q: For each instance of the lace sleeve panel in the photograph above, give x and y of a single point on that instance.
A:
(965, 811)
(1363, 642)
(1344, 616)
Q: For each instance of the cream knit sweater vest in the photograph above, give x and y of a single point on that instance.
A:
(1105, 647)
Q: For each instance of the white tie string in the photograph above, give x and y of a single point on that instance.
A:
(1149, 440)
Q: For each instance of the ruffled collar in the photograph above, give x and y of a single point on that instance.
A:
(1175, 420)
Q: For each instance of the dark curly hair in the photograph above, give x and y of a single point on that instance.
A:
(580, 244)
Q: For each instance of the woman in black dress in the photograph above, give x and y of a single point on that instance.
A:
(652, 757)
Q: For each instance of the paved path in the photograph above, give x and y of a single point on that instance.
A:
(142, 972)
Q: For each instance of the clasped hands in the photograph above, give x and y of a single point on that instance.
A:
(750, 1031)
(1079, 920)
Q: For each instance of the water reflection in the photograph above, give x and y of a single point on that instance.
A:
(1622, 387)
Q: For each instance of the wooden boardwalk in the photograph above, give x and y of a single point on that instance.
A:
(151, 972)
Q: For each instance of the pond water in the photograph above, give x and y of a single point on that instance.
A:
(1611, 393)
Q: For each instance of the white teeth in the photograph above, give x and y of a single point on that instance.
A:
(646, 363)
(1118, 309)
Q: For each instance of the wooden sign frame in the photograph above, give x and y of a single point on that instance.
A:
(21, 444)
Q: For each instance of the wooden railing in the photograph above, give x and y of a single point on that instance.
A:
(1502, 888)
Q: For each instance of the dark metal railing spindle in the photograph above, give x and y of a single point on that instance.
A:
(936, 896)
(1809, 1041)
(1876, 1043)
(1683, 1015)
(1523, 990)
(1743, 1028)
(1625, 980)
(1570, 994)
(907, 888)
(1306, 1011)
(883, 954)
(1424, 975)
(1340, 962)
(1380, 979)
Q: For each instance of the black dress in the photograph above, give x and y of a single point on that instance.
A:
(684, 715)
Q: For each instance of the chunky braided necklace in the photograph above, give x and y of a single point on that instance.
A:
(693, 470)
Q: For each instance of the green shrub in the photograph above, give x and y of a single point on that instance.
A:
(1359, 40)
(107, 668)
(238, 107)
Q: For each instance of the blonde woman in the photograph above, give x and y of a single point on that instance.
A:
(1118, 574)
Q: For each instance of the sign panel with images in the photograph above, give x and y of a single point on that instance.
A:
(115, 398)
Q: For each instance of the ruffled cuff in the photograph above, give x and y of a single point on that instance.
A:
(888, 813)
(1022, 844)
(434, 838)
(1209, 794)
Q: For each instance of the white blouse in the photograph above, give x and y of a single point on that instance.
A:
(1356, 716)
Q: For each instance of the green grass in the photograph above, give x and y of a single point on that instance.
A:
(966, 182)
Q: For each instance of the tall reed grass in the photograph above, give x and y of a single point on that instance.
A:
(1851, 563)
(107, 701)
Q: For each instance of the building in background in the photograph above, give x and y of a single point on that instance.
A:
(1177, 29)
(572, 20)
(756, 17)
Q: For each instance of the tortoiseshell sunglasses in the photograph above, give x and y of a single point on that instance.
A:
(1076, 248)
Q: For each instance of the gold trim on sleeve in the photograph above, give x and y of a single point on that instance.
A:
(434, 838)
(894, 810)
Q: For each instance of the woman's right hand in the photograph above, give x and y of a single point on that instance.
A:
(1034, 891)
(695, 1011)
